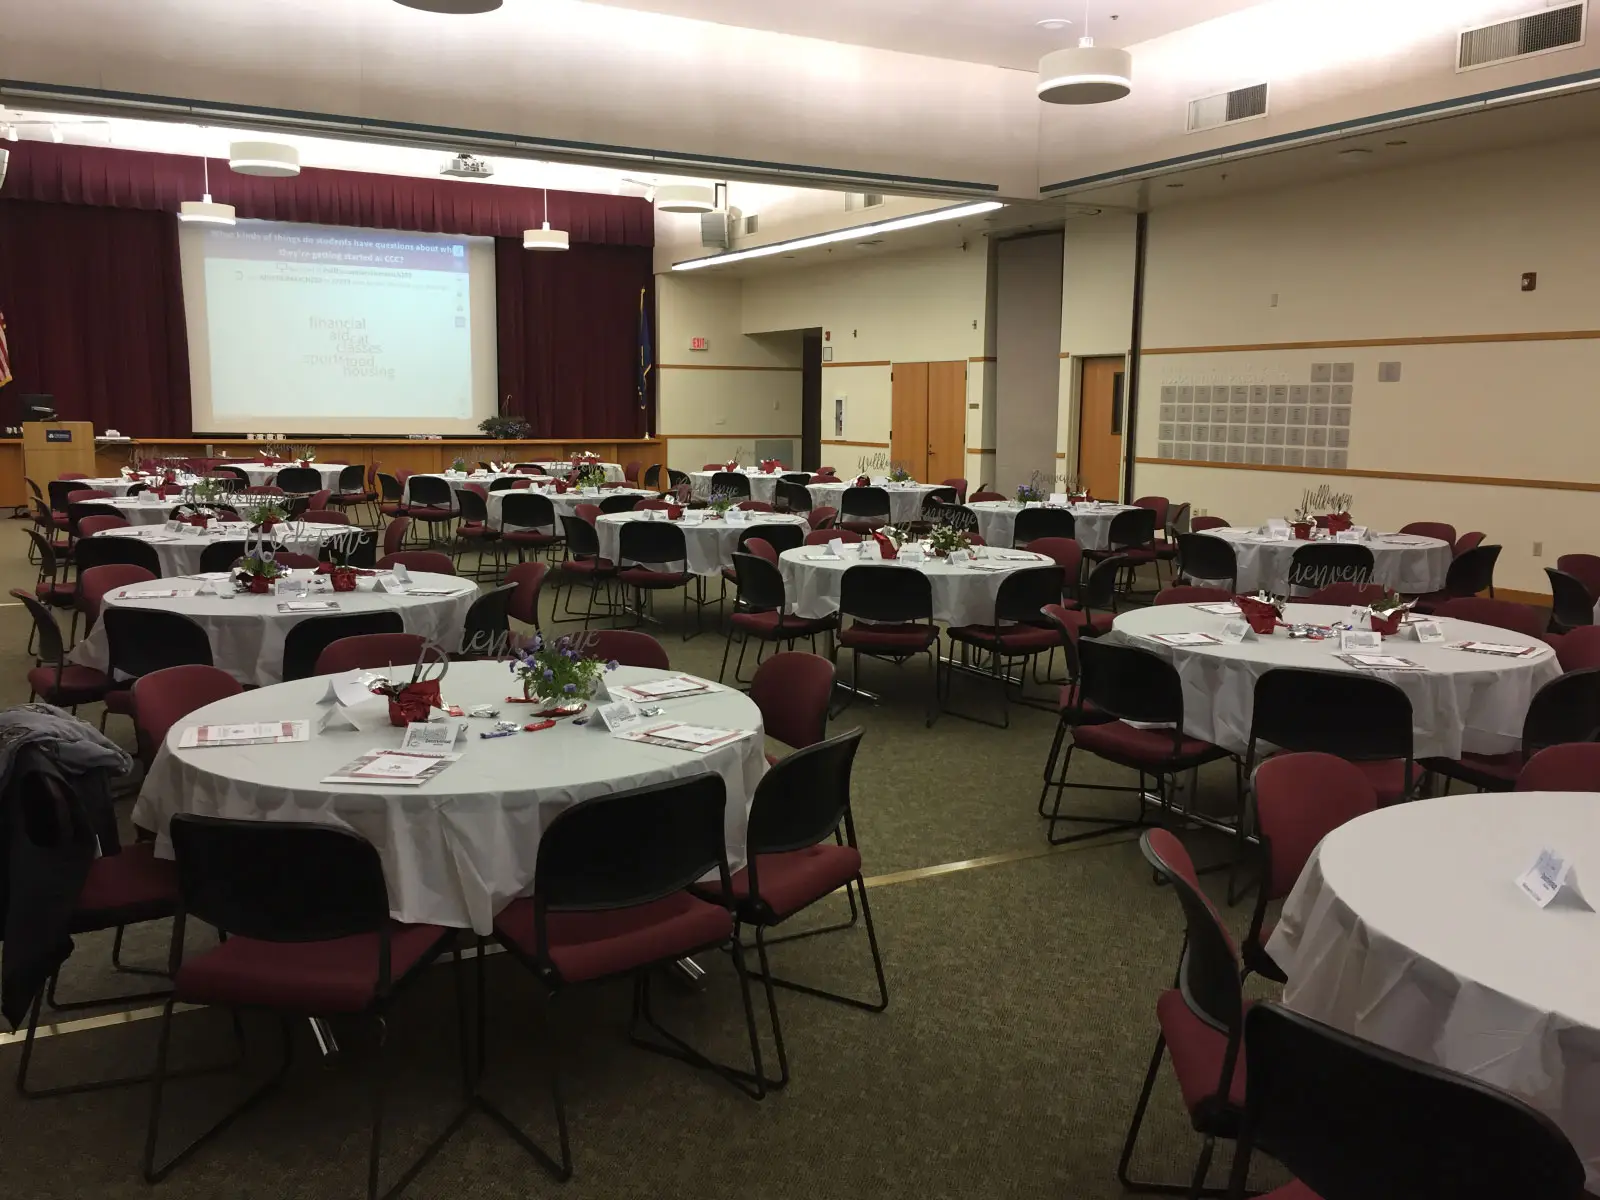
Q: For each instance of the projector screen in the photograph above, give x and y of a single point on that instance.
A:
(323, 329)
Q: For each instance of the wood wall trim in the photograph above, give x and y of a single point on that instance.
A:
(1453, 339)
(717, 367)
(1552, 485)
(981, 450)
(744, 436)
(873, 445)
(982, 358)
(1537, 599)
(358, 440)
(877, 362)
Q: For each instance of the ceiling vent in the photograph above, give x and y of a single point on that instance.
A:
(1241, 104)
(752, 224)
(856, 201)
(1542, 32)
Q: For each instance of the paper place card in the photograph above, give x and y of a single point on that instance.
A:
(153, 594)
(250, 734)
(1550, 876)
(433, 735)
(1382, 662)
(1221, 608)
(403, 768)
(1234, 632)
(390, 585)
(1184, 639)
(212, 576)
(1354, 534)
(1277, 529)
(401, 575)
(416, 591)
(1500, 648)
(307, 606)
(619, 715)
(663, 689)
(697, 739)
(912, 553)
(1360, 639)
(1427, 631)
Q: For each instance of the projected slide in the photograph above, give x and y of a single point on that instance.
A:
(305, 327)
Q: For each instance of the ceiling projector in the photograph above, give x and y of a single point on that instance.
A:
(467, 166)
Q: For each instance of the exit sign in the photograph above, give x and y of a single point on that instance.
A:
(697, 343)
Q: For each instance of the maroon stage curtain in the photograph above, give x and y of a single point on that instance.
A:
(569, 338)
(94, 307)
(63, 174)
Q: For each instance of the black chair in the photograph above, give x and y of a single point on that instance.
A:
(780, 537)
(306, 640)
(1355, 1121)
(957, 516)
(115, 548)
(583, 561)
(238, 473)
(652, 478)
(1320, 564)
(1018, 633)
(1203, 558)
(304, 913)
(505, 483)
(619, 869)
(351, 490)
(763, 613)
(1131, 530)
(1125, 683)
(80, 509)
(220, 556)
(618, 504)
(864, 509)
(791, 497)
(299, 481)
(364, 556)
(1037, 521)
(799, 477)
(675, 478)
(897, 608)
(1570, 603)
(730, 483)
(1470, 573)
(652, 557)
(1567, 709)
(474, 530)
(60, 489)
(430, 499)
(486, 631)
(141, 640)
(528, 522)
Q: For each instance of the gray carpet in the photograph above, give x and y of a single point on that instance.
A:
(1020, 1023)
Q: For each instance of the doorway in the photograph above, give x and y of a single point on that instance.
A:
(928, 419)
(1100, 411)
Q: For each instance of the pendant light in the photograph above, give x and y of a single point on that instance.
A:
(1085, 73)
(452, 7)
(686, 198)
(544, 238)
(271, 160)
(204, 211)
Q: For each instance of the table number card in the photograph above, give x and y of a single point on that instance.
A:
(1234, 632)
(957, 557)
(433, 735)
(1360, 639)
(1550, 876)
(619, 715)
(1427, 631)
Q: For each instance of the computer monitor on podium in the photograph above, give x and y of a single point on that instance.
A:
(36, 408)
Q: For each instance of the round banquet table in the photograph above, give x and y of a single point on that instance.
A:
(247, 631)
(997, 521)
(1463, 700)
(565, 503)
(144, 509)
(458, 481)
(460, 847)
(1402, 562)
(262, 475)
(1406, 928)
(180, 553)
(963, 594)
(118, 486)
(763, 487)
(905, 499)
(710, 543)
(562, 467)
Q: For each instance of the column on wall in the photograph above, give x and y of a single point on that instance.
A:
(1096, 312)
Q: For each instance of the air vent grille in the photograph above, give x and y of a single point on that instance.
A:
(752, 224)
(1241, 104)
(856, 201)
(1537, 33)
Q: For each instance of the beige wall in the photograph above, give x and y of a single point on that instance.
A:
(1096, 311)
(713, 403)
(1422, 253)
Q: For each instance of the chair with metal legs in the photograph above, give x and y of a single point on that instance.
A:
(893, 620)
(762, 614)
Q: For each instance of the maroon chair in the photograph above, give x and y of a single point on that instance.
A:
(1184, 593)
(72, 475)
(1348, 594)
(50, 587)
(95, 582)
(473, 530)
(528, 522)
(630, 471)
(1156, 504)
(1096, 612)
(324, 516)
(584, 563)
(1585, 568)
(391, 491)
(429, 499)
(755, 506)
(53, 679)
(1019, 633)
(1467, 541)
(300, 562)
(304, 913)
(1067, 553)
(1502, 614)
(1201, 1019)
(1299, 800)
(1567, 709)
(1201, 524)
(433, 561)
(627, 647)
(890, 613)
(1579, 649)
(89, 526)
(983, 496)
(265, 489)
(1070, 708)
(528, 578)
(822, 517)
(960, 486)
(761, 548)
(394, 534)
(792, 690)
(162, 698)
(613, 899)
(1432, 529)
(653, 557)
(81, 495)
(652, 502)
(763, 614)
(319, 499)
(1573, 767)
(369, 652)
(821, 537)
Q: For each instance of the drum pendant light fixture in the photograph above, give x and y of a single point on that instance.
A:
(544, 238)
(452, 7)
(1085, 73)
(204, 211)
(270, 160)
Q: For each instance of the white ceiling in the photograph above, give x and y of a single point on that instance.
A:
(1001, 33)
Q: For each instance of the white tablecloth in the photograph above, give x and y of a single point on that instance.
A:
(1406, 929)
(961, 594)
(565, 504)
(710, 543)
(1463, 701)
(1413, 565)
(119, 486)
(247, 631)
(180, 552)
(762, 486)
(562, 467)
(261, 476)
(997, 522)
(462, 846)
(458, 482)
(905, 499)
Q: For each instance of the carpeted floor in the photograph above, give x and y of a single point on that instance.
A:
(1020, 1022)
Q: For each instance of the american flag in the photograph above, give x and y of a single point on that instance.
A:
(5, 354)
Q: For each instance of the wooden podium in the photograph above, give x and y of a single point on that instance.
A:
(51, 447)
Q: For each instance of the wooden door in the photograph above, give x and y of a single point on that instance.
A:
(908, 417)
(1100, 409)
(947, 421)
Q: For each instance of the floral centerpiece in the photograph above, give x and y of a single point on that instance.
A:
(306, 455)
(590, 474)
(770, 466)
(340, 567)
(201, 499)
(1263, 611)
(264, 514)
(1323, 509)
(459, 465)
(259, 567)
(944, 539)
(1386, 612)
(1030, 493)
(899, 473)
(415, 699)
(558, 673)
(721, 502)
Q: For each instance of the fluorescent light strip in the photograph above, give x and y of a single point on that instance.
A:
(854, 233)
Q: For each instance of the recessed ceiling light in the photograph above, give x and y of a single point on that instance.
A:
(1054, 23)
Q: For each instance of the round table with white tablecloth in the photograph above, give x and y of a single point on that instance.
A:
(247, 631)
(460, 847)
(118, 486)
(763, 486)
(560, 468)
(458, 481)
(262, 475)
(180, 551)
(997, 521)
(1402, 562)
(565, 503)
(709, 541)
(905, 499)
(1460, 700)
(1407, 928)
(963, 594)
